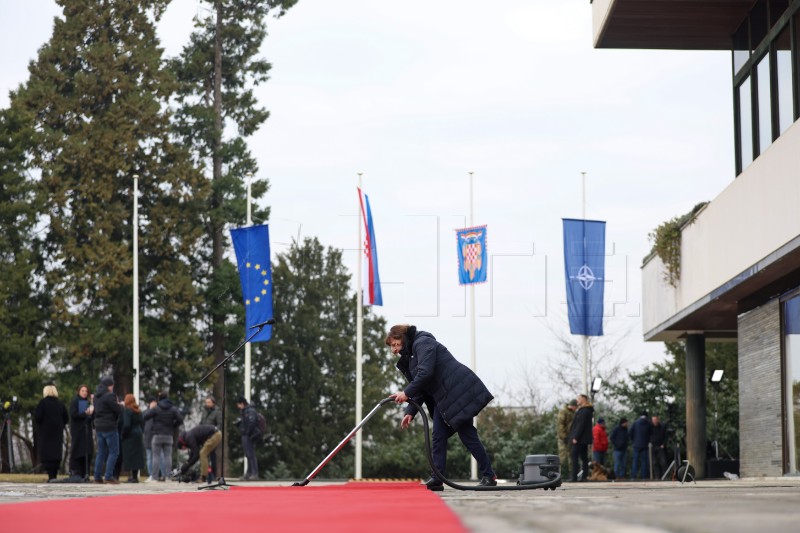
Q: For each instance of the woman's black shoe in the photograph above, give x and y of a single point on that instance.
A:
(434, 484)
(488, 482)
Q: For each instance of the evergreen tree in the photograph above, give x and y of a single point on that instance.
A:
(305, 376)
(24, 303)
(97, 94)
(217, 71)
(661, 389)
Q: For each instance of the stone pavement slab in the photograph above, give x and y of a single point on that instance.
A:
(761, 506)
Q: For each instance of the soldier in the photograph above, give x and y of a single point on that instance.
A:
(565, 416)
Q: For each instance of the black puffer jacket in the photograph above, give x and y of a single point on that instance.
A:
(166, 417)
(106, 410)
(437, 378)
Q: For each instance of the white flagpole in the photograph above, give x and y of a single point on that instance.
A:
(585, 337)
(473, 465)
(136, 286)
(247, 348)
(359, 337)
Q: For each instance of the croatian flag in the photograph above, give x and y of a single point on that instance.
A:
(371, 281)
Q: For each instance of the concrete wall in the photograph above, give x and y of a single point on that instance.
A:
(760, 417)
(752, 218)
(600, 11)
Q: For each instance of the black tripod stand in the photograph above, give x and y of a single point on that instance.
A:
(220, 483)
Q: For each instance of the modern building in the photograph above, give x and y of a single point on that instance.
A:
(739, 263)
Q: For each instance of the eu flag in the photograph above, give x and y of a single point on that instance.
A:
(255, 273)
(584, 265)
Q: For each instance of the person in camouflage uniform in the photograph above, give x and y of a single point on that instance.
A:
(565, 416)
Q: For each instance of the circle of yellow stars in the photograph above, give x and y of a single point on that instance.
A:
(266, 282)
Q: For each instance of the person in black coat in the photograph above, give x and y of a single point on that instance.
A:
(81, 414)
(107, 411)
(619, 440)
(51, 418)
(580, 437)
(166, 419)
(453, 393)
(640, 433)
(201, 442)
(658, 438)
(131, 429)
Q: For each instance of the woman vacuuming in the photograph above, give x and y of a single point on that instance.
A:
(453, 393)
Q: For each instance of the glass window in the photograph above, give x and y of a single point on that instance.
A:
(745, 125)
(764, 108)
(791, 383)
(783, 66)
(797, 65)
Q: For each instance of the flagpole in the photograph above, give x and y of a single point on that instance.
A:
(247, 347)
(248, 353)
(585, 337)
(359, 338)
(136, 286)
(473, 468)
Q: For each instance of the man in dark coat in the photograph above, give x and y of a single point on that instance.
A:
(640, 433)
(619, 440)
(51, 418)
(659, 441)
(251, 436)
(201, 442)
(581, 437)
(80, 429)
(107, 411)
(453, 393)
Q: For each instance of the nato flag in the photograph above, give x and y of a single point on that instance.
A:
(255, 272)
(584, 265)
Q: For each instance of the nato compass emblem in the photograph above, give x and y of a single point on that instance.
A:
(586, 277)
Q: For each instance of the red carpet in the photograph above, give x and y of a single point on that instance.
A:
(351, 507)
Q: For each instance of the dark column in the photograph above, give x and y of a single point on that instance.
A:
(696, 402)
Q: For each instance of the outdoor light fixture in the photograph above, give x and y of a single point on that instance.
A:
(716, 377)
(596, 384)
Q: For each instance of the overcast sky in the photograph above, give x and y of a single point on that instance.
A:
(417, 94)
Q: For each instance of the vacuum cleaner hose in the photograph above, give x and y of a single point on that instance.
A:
(548, 484)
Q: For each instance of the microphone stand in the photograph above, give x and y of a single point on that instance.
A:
(220, 483)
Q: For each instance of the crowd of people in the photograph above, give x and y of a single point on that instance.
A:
(127, 439)
(646, 437)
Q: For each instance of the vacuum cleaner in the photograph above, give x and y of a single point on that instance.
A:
(537, 472)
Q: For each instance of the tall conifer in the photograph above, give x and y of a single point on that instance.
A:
(97, 95)
(216, 112)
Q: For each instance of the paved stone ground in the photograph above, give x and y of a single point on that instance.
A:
(761, 506)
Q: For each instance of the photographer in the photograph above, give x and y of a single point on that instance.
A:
(201, 442)
(251, 435)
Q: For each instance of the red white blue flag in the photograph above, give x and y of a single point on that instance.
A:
(371, 280)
